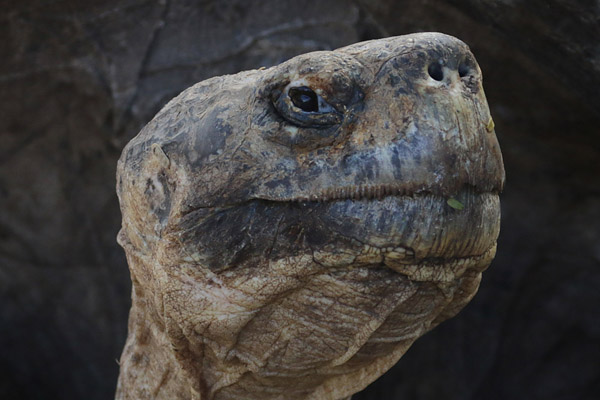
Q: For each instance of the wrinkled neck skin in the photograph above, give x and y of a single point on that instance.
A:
(292, 231)
(156, 366)
(147, 355)
(241, 343)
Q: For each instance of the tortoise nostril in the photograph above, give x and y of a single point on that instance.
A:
(463, 70)
(435, 71)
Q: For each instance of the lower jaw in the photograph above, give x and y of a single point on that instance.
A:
(444, 271)
(426, 270)
(418, 230)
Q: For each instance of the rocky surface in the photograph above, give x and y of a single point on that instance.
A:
(78, 80)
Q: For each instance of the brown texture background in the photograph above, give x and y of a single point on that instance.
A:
(78, 79)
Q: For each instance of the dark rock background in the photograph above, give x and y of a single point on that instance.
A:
(79, 79)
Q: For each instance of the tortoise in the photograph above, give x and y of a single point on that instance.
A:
(291, 231)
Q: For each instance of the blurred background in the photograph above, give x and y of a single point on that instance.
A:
(78, 79)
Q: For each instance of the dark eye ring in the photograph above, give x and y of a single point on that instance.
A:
(302, 106)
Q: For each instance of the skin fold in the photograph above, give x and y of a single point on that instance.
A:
(291, 231)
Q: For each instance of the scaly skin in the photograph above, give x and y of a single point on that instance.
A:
(289, 247)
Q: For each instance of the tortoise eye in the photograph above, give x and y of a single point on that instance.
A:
(302, 106)
(304, 98)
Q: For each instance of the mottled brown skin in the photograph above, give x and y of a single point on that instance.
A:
(279, 253)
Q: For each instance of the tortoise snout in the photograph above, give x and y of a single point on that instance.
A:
(454, 68)
(434, 60)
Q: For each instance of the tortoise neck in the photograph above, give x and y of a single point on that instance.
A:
(148, 367)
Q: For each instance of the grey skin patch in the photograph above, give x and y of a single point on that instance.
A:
(211, 135)
(294, 248)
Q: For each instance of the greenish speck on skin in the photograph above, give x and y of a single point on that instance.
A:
(457, 205)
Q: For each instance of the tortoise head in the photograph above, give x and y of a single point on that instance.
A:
(300, 226)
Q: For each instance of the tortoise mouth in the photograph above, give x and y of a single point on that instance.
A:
(403, 232)
(374, 192)
(357, 192)
(417, 229)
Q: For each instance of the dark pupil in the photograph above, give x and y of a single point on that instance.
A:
(304, 98)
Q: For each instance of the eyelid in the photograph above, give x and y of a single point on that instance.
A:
(324, 106)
